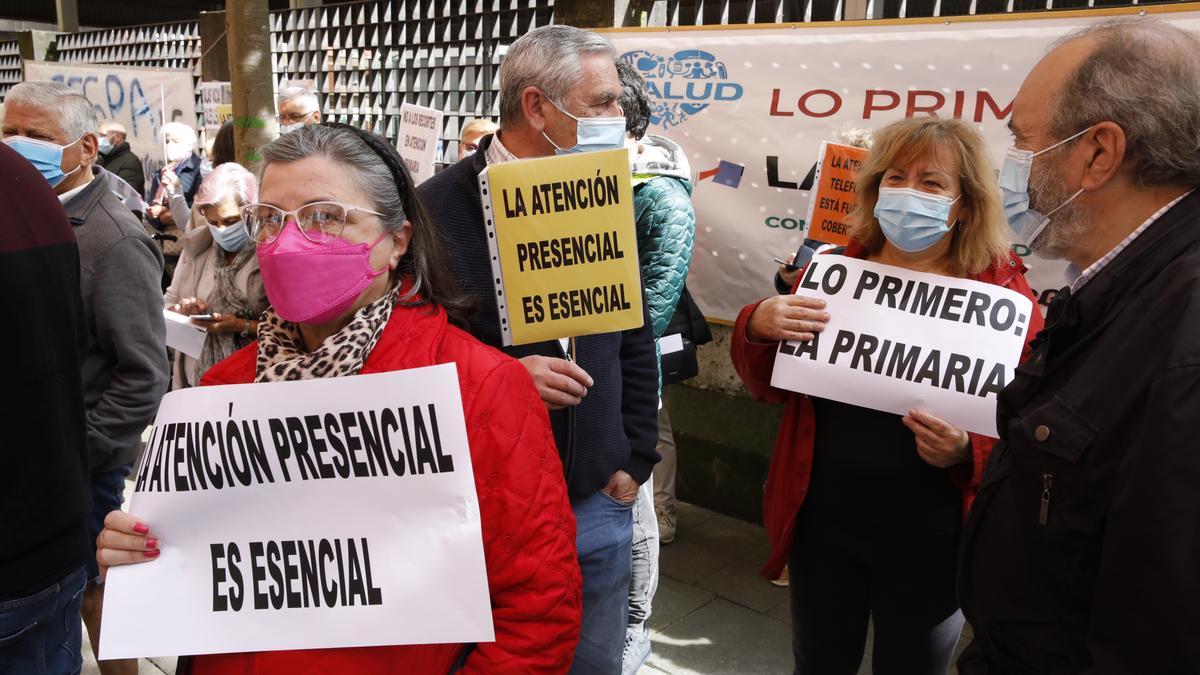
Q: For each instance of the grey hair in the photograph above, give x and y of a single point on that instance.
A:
(296, 93)
(110, 125)
(75, 113)
(181, 132)
(1143, 75)
(347, 149)
(547, 58)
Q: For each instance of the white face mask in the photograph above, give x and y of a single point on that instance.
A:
(287, 128)
(1025, 222)
(177, 151)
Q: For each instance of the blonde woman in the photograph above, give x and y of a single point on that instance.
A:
(865, 507)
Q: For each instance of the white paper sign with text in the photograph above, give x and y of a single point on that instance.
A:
(420, 129)
(323, 513)
(899, 340)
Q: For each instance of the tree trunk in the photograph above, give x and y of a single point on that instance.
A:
(248, 36)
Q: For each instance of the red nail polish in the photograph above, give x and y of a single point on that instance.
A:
(152, 554)
(151, 543)
(141, 529)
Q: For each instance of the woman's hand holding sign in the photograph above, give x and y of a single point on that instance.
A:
(787, 317)
(939, 443)
(124, 540)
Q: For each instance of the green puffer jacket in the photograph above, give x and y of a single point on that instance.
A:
(666, 223)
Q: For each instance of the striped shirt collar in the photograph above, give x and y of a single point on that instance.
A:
(1077, 279)
(497, 153)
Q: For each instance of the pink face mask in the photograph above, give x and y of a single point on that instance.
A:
(313, 283)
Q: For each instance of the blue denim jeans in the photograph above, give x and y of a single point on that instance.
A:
(41, 634)
(604, 530)
(108, 493)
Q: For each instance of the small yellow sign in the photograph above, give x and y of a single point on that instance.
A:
(563, 245)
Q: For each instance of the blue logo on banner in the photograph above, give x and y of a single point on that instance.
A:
(682, 84)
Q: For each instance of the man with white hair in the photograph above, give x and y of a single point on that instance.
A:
(559, 92)
(298, 107)
(117, 158)
(124, 369)
(1081, 553)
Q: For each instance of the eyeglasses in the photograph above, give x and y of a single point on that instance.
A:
(320, 222)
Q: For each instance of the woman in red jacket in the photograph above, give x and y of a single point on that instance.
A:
(357, 284)
(883, 495)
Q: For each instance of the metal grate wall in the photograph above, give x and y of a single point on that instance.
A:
(368, 58)
(719, 12)
(10, 66)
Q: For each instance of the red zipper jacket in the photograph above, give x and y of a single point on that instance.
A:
(528, 526)
(791, 459)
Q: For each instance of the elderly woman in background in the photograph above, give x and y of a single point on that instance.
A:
(865, 506)
(357, 282)
(174, 187)
(472, 132)
(217, 275)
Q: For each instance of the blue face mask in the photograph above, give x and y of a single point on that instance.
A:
(912, 220)
(1025, 222)
(105, 146)
(593, 133)
(231, 238)
(45, 156)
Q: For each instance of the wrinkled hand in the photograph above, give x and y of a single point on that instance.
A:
(787, 317)
(559, 382)
(169, 180)
(789, 275)
(123, 541)
(939, 443)
(189, 306)
(222, 323)
(622, 487)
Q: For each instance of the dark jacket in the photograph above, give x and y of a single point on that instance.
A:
(1082, 552)
(792, 458)
(44, 486)
(125, 369)
(615, 427)
(188, 172)
(121, 161)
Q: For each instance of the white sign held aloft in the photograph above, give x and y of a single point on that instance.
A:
(323, 513)
(420, 129)
(899, 340)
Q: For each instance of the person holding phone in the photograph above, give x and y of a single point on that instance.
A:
(865, 507)
(217, 281)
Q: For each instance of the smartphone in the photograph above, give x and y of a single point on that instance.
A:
(803, 255)
(203, 317)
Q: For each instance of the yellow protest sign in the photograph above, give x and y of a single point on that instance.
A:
(563, 245)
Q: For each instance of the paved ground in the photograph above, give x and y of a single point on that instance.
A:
(713, 614)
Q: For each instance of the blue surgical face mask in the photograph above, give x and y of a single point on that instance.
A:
(106, 145)
(592, 133)
(44, 155)
(912, 220)
(231, 238)
(1025, 222)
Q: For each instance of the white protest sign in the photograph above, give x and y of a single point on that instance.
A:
(420, 130)
(322, 513)
(133, 96)
(184, 335)
(213, 96)
(899, 340)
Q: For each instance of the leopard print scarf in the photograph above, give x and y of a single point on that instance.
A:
(281, 354)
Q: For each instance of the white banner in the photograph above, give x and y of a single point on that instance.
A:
(142, 99)
(214, 96)
(321, 513)
(751, 107)
(899, 340)
(420, 130)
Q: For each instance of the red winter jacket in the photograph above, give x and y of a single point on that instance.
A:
(791, 460)
(528, 526)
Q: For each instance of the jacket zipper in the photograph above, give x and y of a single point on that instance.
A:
(1047, 485)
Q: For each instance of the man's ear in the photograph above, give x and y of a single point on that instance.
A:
(533, 103)
(1105, 144)
(89, 146)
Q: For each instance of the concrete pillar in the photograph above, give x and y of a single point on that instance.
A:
(586, 13)
(215, 65)
(68, 15)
